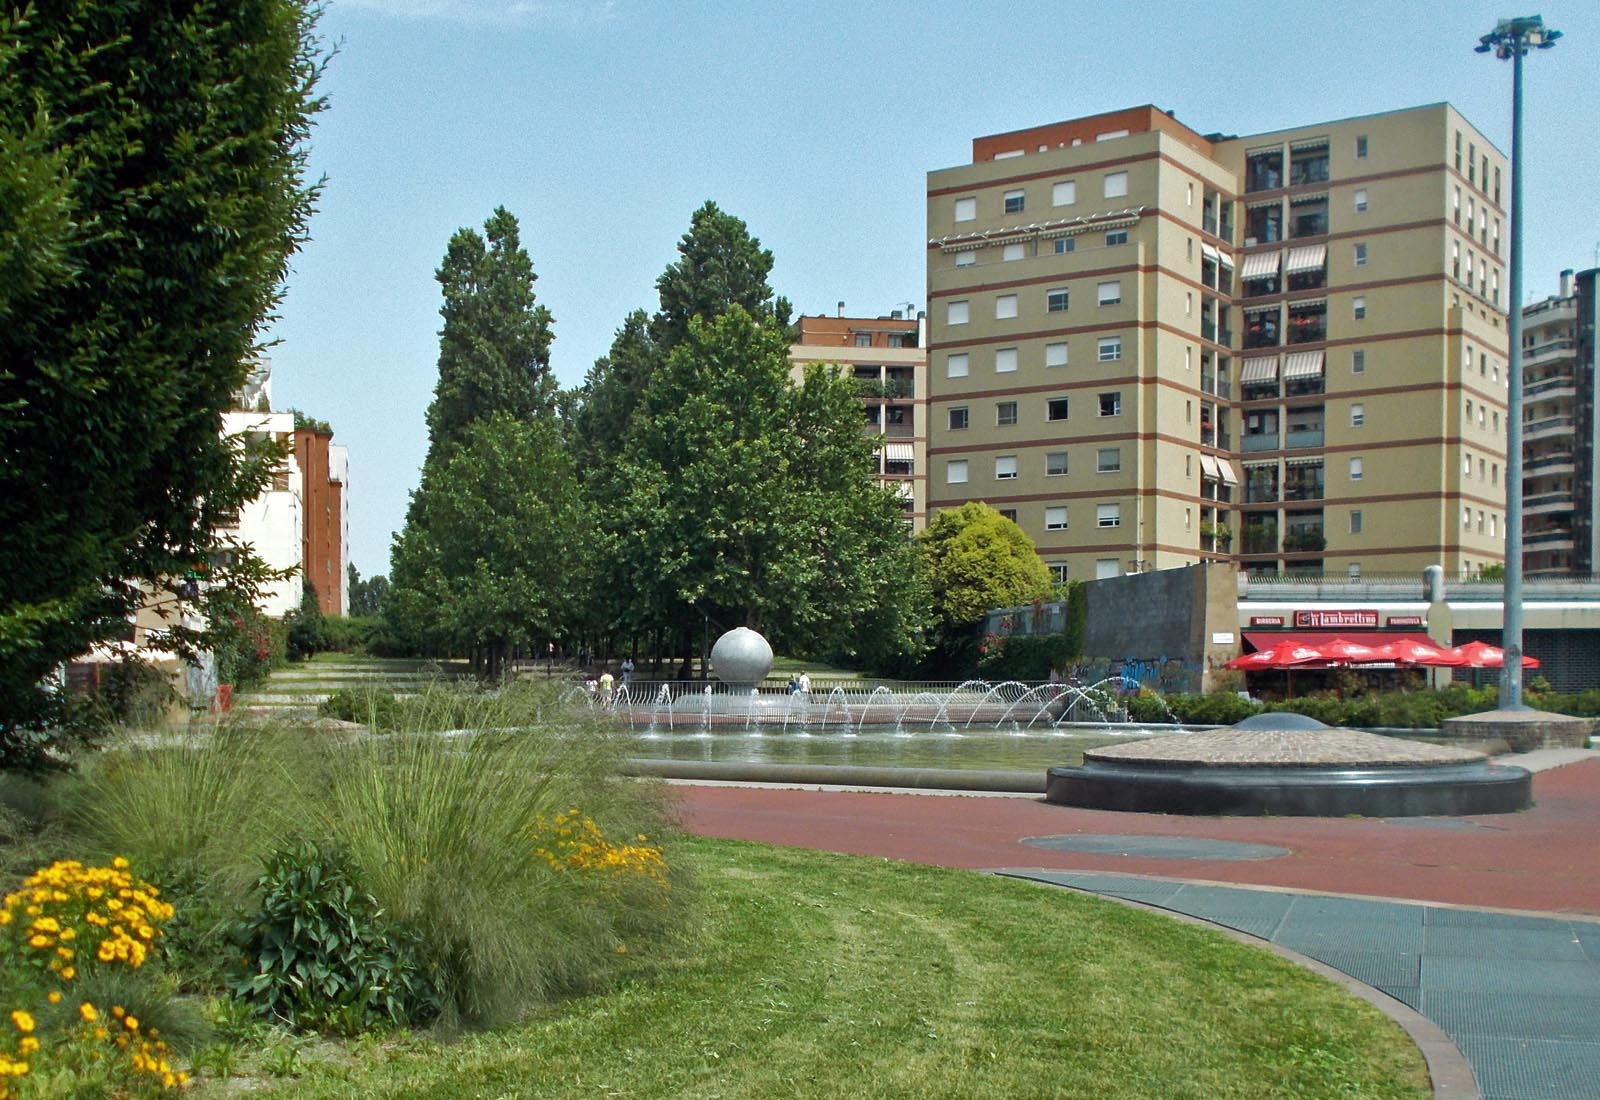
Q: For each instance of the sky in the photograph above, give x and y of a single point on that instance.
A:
(603, 125)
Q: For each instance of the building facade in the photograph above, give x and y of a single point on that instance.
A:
(1560, 436)
(1153, 347)
(885, 357)
(324, 469)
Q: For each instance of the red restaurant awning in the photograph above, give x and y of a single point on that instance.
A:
(1265, 639)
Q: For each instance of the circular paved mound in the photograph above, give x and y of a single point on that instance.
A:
(1279, 748)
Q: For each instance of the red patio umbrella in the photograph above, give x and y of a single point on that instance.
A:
(1344, 651)
(1279, 656)
(1484, 655)
(1407, 651)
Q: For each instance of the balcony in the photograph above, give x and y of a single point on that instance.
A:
(1261, 485)
(1547, 428)
(1260, 538)
(1260, 441)
(1263, 225)
(1305, 437)
(1308, 326)
(1549, 350)
(1546, 502)
(1554, 539)
(1308, 538)
(1303, 483)
(1262, 332)
(1263, 172)
(1208, 222)
(1561, 385)
(1308, 168)
(1309, 223)
(1558, 462)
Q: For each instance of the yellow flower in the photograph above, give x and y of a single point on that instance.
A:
(119, 863)
(28, 1045)
(54, 997)
(69, 972)
(23, 1021)
(88, 1012)
(131, 1023)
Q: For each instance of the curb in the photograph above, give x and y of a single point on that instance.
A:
(944, 779)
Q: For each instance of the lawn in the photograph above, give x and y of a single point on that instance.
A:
(816, 975)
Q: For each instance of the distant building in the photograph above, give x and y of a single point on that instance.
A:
(273, 524)
(1560, 433)
(885, 357)
(1154, 347)
(325, 550)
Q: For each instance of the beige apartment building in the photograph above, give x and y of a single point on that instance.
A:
(885, 357)
(1153, 347)
(1560, 436)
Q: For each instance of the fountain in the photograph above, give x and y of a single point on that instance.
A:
(1289, 764)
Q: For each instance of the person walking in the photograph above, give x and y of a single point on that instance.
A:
(627, 671)
(607, 682)
(805, 685)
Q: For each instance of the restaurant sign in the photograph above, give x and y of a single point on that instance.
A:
(1335, 620)
(1404, 620)
(1266, 620)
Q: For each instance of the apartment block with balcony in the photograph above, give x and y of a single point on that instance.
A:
(1154, 347)
(885, 358)
(1560, 436)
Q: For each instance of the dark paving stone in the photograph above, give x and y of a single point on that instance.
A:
(1479, 918)
(1121, 886)
(1313, 936)
(1406, 994)
(1516, 1069)
(1157, 847)
(1527, 1017)
(1556, 942)
(1511, 978)
(1309, 907)
(1380, 968)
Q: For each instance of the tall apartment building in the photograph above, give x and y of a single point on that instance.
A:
(884, 355)
(1153, 347)
(325, 537)
(1560, 433)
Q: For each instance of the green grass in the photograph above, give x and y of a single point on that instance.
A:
(836, 977)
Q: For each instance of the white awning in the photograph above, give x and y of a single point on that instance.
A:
(1309, 258)
(1302, 200)
(1208, 468)
(1308, 143)
(1259, 370)
(1308, 303)
(899, 452)
(1303, 461)
(1260, 265)
(1303, 364)
(1229, 475)
(1208, 251)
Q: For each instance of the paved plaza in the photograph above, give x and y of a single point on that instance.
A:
(1489, 926)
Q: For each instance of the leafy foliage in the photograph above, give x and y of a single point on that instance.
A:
(973, 559)
(366, 596)
(320, 953)
(152, 189)
(373, 707)
(306, 625)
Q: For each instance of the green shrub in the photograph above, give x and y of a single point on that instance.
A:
(374, 707)
(1215, 709)
(247, 647)
(319, 953)
(1147, 707)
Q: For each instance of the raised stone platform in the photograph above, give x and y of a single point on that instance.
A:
(1289, 765)
(1523, 729)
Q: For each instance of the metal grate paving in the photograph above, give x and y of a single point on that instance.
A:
(1519, 995)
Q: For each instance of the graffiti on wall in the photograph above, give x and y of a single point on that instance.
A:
(1165, 675)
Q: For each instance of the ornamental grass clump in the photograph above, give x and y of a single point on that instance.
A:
(78, 947)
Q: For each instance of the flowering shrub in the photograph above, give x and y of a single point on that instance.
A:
(68, 924)
(570, 841)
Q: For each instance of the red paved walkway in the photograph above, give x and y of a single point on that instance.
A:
(1545, 859)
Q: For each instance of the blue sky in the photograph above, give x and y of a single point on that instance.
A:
(602, 126)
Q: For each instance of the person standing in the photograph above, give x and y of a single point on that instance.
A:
(606, 684)
(805, 685)
(627, 671)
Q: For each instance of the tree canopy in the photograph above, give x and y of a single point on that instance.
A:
(974, 560)
(152, 189)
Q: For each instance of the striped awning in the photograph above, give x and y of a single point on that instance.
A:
(898, 452)
(1302, 200)
(1309, 258)
(1308, 143)
(1208, 251)
(1260, 265)
(1308, 303)
(1230, 476)
(1303, 461)
(1303, 364)
(1208, 468)
(1264, 369)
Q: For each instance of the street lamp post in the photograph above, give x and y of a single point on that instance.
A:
(1513, 38)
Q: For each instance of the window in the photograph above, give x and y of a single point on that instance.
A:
(1013, 252)
(1105, 568)
(1055, 464)
(1066, 244)
(1361, 255)
(1005, 360)
(1355, 521)
(1005, 413)
(1116, 237)
(1358, 415)
(1466, 465)
(1055, 301)
(955, 471)
(1354, 571)
(1188, 194)
(1108, 460)
(1480, 415)
(1455, 206)
(1116, 185)
(956, 365)
(966, 259)
(1493, 523)
(1005, 306)
(1058, 572)
(1108, 515)
(959, 418)
(957, 313)
(1110, 349)
(1008, 513)
(1055, 518)
(1055, 355)
(1466, 519)
(1469, 412)
(1110, 292)
(1111, 404)
(1361, 200)
(863, 339)
(1361, 146)
(1015, 200)
(1064, 193)
(1057, 408)
(966, 210)
(1005, 467)
(1355, 469)
(1358, 362)
(1359, 308)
